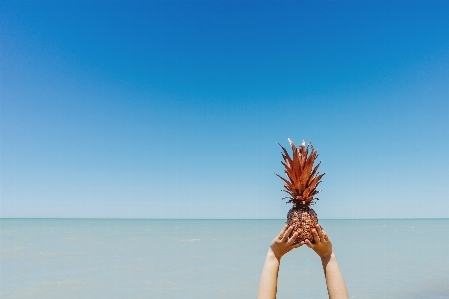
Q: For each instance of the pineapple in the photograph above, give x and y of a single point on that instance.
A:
(301, 185)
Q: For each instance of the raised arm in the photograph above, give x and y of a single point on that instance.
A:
(278, 247)
(334, 280)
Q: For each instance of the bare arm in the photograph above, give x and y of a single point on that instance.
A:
(335, 284)
(334, 280)
(269, 278)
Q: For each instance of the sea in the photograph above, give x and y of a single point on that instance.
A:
(140, 258)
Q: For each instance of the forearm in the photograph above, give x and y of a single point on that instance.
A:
(334, 279)
(269, 277)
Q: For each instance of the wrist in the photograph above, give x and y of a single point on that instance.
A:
(271, 255)
(328, 257)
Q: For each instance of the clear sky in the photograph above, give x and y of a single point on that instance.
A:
(172, 109)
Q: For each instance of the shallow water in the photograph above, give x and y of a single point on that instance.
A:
(93, 258)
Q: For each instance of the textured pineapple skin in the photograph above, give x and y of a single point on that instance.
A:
(303, 219)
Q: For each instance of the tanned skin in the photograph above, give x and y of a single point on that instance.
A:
(322, 246)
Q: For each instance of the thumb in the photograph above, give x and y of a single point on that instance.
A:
(309, 244)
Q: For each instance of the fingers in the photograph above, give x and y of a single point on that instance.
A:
(281, 234)
(287, 233)
(292, 239)
(308, 243)
(316, 238)
(326, 237)
(283, 230)
(298, 245)
(320, 232)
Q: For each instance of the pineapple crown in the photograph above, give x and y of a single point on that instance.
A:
(302, 181)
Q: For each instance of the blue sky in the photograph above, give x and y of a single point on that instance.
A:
(172, 109)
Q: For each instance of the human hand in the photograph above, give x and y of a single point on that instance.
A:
(323, 245)
(282, 244)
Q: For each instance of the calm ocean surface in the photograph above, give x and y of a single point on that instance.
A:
(93, 258)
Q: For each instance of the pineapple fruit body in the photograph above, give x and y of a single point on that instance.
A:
(303, 219)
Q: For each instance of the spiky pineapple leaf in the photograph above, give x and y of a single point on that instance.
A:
(287, 183)
(303, 177)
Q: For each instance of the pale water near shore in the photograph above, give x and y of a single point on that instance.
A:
(90, 258)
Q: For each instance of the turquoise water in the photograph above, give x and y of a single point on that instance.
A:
(93, 258)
